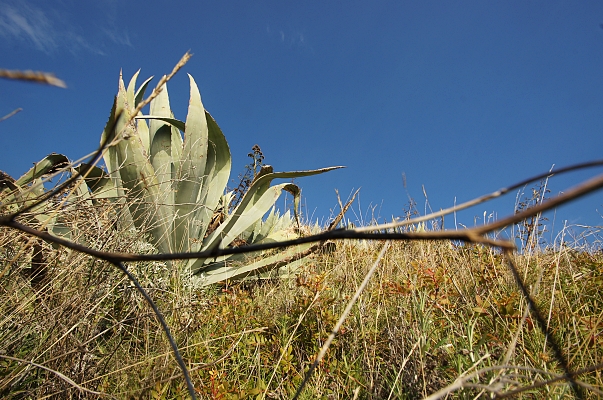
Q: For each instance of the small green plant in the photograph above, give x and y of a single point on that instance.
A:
(171, 178)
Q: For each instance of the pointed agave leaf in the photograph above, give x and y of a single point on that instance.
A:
(108, 135)
(260, 185)
(112, 162)
(140, 92)
(161, 157)
(143, 129)
(247, 211)
(217, 171)
(48, 165)
(160, 106)
(192, 167)
(131, 90)
(26, 194)
(138, 178)
(217, 273)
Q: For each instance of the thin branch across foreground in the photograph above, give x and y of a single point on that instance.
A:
(377, 232)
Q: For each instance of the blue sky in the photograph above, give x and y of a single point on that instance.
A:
(460, 97)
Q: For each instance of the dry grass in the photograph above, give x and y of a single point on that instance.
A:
(433, 312)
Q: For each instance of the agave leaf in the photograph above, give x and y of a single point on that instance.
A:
(238, 222)
(30, 186)
(170, 120)
(131, 90)
(99, 182)
(160, 106)
(263, 228)
(55, 226)
(160, 134)
(217, 171)
(112, 163)
(80, 191)
(261, 184)
(279, 224)
(217, 273)
(140, 92)
(110, 155)
(138, 178)
(176, 148)
(192, 166)
(29, 196)
(296, 192)
(162, 165)
(48, 165)
(143, 129)
(144, 134)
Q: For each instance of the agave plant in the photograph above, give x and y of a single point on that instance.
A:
(171, 177)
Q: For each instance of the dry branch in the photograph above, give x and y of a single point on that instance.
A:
(45, 78)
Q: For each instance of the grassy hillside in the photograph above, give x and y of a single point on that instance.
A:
(433, 314)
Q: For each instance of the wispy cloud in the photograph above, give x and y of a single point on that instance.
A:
(49, 29)
(291, 38)
(28, 23)
(118, 36)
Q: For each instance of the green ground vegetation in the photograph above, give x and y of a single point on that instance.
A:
(434, 313)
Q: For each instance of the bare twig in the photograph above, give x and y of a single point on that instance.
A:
(164, 325)
(475, 235)
(484, 198)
